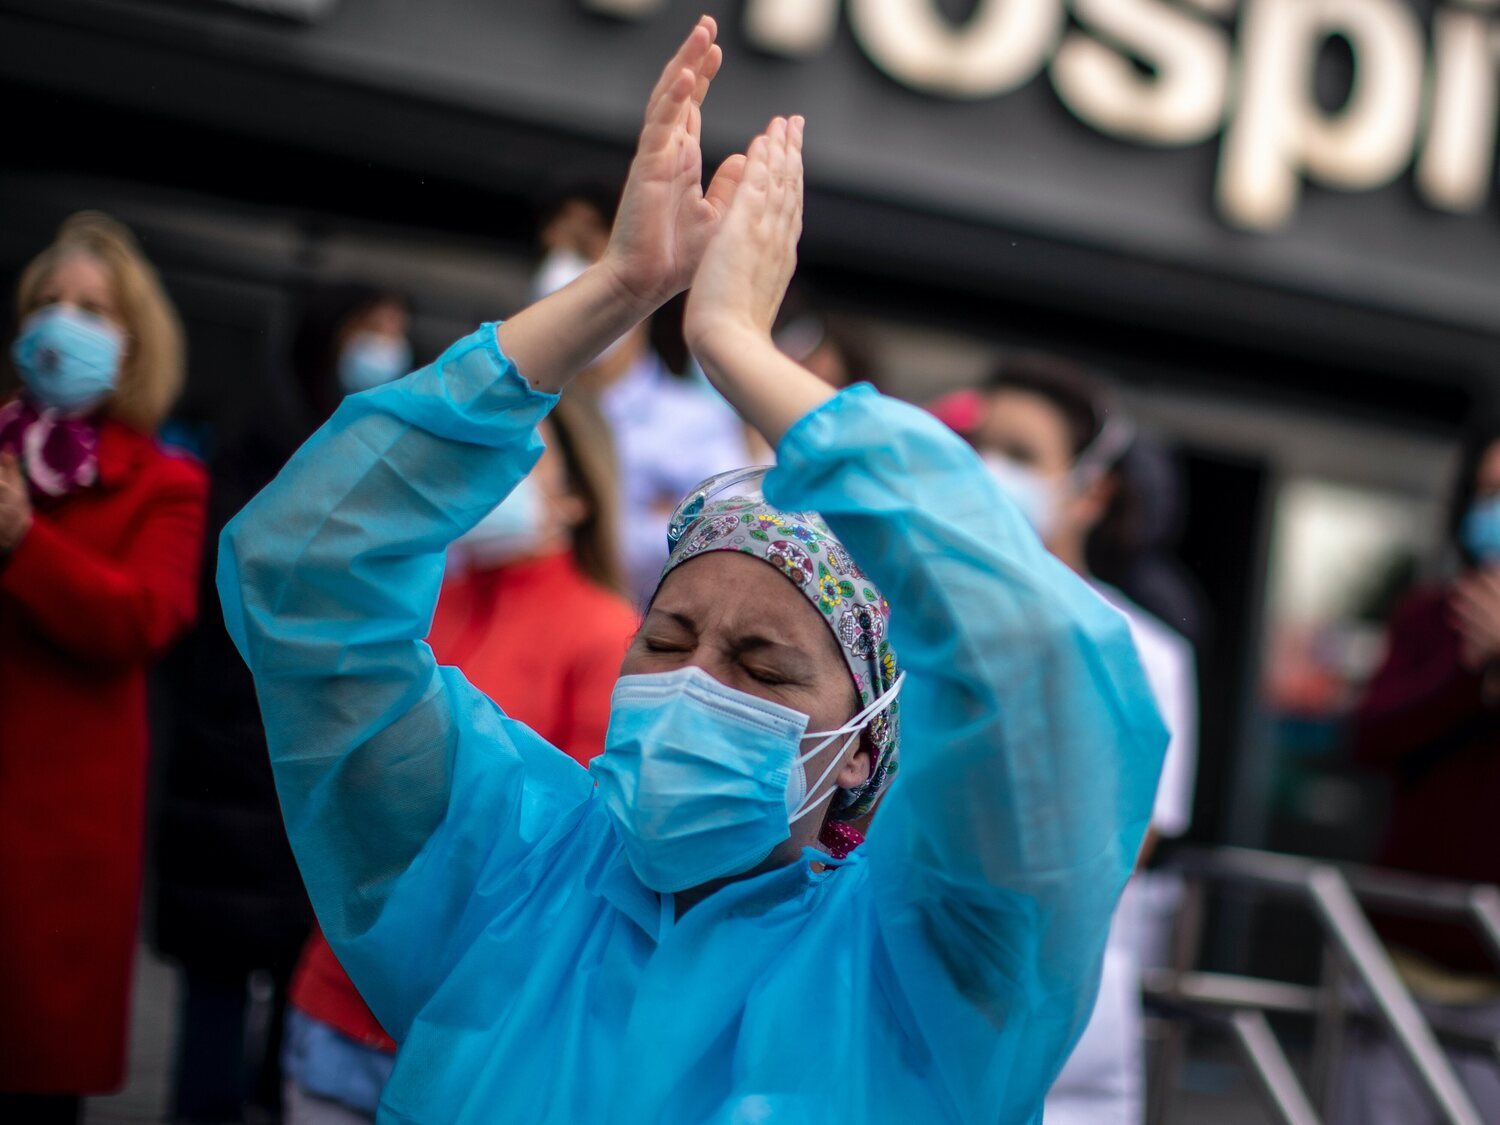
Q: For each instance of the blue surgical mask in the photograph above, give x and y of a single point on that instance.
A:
(512, 531)
(703, 781)
(1480, 530)
(370, 360)
(67, 358)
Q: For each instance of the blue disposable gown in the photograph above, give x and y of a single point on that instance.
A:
(470, 881)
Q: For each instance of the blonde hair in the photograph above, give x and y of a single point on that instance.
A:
(151, 371)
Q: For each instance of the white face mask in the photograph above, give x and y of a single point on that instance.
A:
(371, 360)
(512, 531)
(1038, 496)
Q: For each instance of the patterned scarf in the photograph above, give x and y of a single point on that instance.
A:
(801, 547)
(59, 454)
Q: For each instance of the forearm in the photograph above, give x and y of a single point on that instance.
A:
(767, 389)
(1030, 742)
(558, 336)
(329, 578)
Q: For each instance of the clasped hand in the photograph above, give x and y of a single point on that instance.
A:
(735, 243)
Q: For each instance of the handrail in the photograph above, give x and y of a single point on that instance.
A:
(1334, 897)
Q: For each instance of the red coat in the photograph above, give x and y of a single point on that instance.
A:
(103, 582)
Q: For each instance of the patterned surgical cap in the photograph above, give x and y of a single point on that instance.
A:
(729, 513)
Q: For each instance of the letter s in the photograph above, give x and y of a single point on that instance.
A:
(1182, 102)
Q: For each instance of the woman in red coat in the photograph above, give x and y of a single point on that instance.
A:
(100, 533)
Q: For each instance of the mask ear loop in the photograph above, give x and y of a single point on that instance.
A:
(854, 728)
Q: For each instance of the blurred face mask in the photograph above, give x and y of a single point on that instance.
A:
(1032, 492)
(68, 359)
(703, 781)
(369, 360)
(512, 531)
(1480, 530)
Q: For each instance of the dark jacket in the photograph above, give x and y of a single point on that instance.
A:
(1425, 720)
(229, 899)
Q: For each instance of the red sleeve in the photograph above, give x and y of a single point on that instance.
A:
(1422, 692)
(591, 681)
(124, 609)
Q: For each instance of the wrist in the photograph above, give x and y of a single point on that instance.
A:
(634, 301)
(723, 345)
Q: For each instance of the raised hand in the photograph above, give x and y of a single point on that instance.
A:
(745, 270)
(666, 218)
(740, 284)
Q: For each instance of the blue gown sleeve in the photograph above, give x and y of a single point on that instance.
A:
(402, 786)
(1031, 748)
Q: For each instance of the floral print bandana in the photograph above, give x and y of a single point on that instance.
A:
(729, 513)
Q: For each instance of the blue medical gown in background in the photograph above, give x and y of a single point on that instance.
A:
(472, 885)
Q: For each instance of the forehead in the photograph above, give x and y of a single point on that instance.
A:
(1021, 422)
(78, 271)
(739, 593)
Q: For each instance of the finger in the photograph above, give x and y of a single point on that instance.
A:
(667, 113)
(708, 70)
(795, 129)
(776, 165)
(10, 470)
(757, 171)
(688, 55)
(726, 181)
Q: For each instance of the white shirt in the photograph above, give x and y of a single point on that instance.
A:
(1167, 658)
(1103, 1080)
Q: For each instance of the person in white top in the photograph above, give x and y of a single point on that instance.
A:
(1054, 438)
(669, 432)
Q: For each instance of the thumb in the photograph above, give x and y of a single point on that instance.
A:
(10, 469)
(726, 181)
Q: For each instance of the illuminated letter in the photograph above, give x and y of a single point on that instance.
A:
(1279, 131)
(1458, 159)
(625, 9)
(794, 28)
(1180, 102)
(1001, 45)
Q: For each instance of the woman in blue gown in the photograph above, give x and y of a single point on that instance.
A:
(663, 942)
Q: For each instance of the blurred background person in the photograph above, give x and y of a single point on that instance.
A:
(1431, 719)
(533, 610)
(229, 901)
(669, 431)
(100, 536)
(1058, 441)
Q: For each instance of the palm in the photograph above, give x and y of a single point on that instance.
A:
(744, 273)
(666, 218)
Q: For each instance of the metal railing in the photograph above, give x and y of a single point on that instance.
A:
(1240, 1006)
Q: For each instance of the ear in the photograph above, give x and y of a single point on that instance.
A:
(570, 509)
(856, 771)
(1090, 505)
